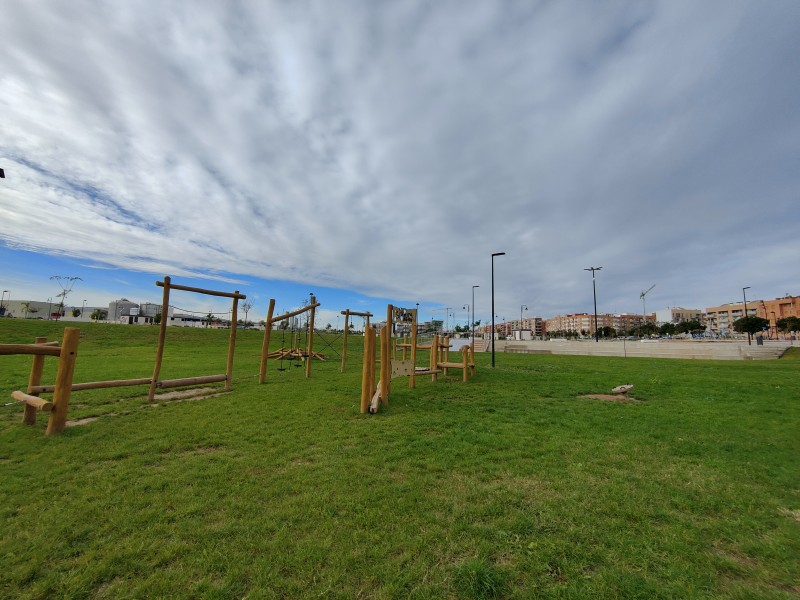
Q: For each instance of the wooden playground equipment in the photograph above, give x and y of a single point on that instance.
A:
(347, 314)
(295, 351)
(68, 353)
(372, 394)
(162, 334)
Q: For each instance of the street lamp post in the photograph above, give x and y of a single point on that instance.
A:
(83, 311)
(2, 302)
(594, 291)
(744, 296)
(49, 308)
(525, 306)
(472, 326)
(493, 333)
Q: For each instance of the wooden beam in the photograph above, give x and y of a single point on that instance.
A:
(346, 314)
(232, 340)
(33, 401)
(35, 349)
(294, 313)
(93, 385)
(262, 371)
(35, 378)
(186, 288)
(310, 348)
(66, 370)
(172, 383)
(162, 335)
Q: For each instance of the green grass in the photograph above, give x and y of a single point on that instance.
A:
(508, 486)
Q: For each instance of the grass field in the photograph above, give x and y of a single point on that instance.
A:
(508, 486)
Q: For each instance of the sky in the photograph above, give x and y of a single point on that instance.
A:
(375, 152)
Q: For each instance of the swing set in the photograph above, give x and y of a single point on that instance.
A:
(293, 353)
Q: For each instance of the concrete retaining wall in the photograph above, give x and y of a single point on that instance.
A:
(716, 350)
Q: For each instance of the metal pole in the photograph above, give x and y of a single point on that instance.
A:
(594, 291)
(744, 296)
(493, 335)
(472, 327)
(2, 300)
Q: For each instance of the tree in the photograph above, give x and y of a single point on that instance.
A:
(246, 306)
(76, 312)
(751, 324)
(157, 319)
(667, 329)
(99, 314)
(26, 306)
(209, 319)
(66, 284)
(690, 327)
(788, 324)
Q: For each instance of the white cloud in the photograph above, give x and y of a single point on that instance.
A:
(391, 148)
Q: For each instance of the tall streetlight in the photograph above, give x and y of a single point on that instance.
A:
(493, 335)
(49, 308)
(83, 311)
(525, 306)
(744, 296)
(472, 327)
(594, 291)
(2, 300)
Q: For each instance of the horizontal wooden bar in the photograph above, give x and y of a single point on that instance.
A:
(40, 349)
(356, 314)
(450, 365)
(186, 288)
(34, 401)
(295, 313)
(94, 385)
(171, 383)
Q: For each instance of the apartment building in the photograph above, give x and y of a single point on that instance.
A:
(720, 318)
(583, 323)
(677, 314)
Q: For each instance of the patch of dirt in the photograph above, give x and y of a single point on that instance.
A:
(620, 398)
(86, 420)
(185, 393)
(792, 514)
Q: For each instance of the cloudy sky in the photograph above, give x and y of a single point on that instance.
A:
(381, 151)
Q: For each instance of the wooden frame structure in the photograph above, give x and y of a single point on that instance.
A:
(162, 334)
(67, 355)
(307, 355)
(347, 314)
(372, 394)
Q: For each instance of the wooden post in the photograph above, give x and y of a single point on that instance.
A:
(365, 374)
(262, 372)
(162, 334)
(373, 351)
(344, 344)
(434, 361)
(66, 370)
(412, 381)
(232, 341)
(310, 348)
(472, 358)
(389, 352)
(445, 351)
(386, 364)
(464, 352)
(35, 379)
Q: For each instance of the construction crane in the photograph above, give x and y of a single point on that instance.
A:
(644, 310)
